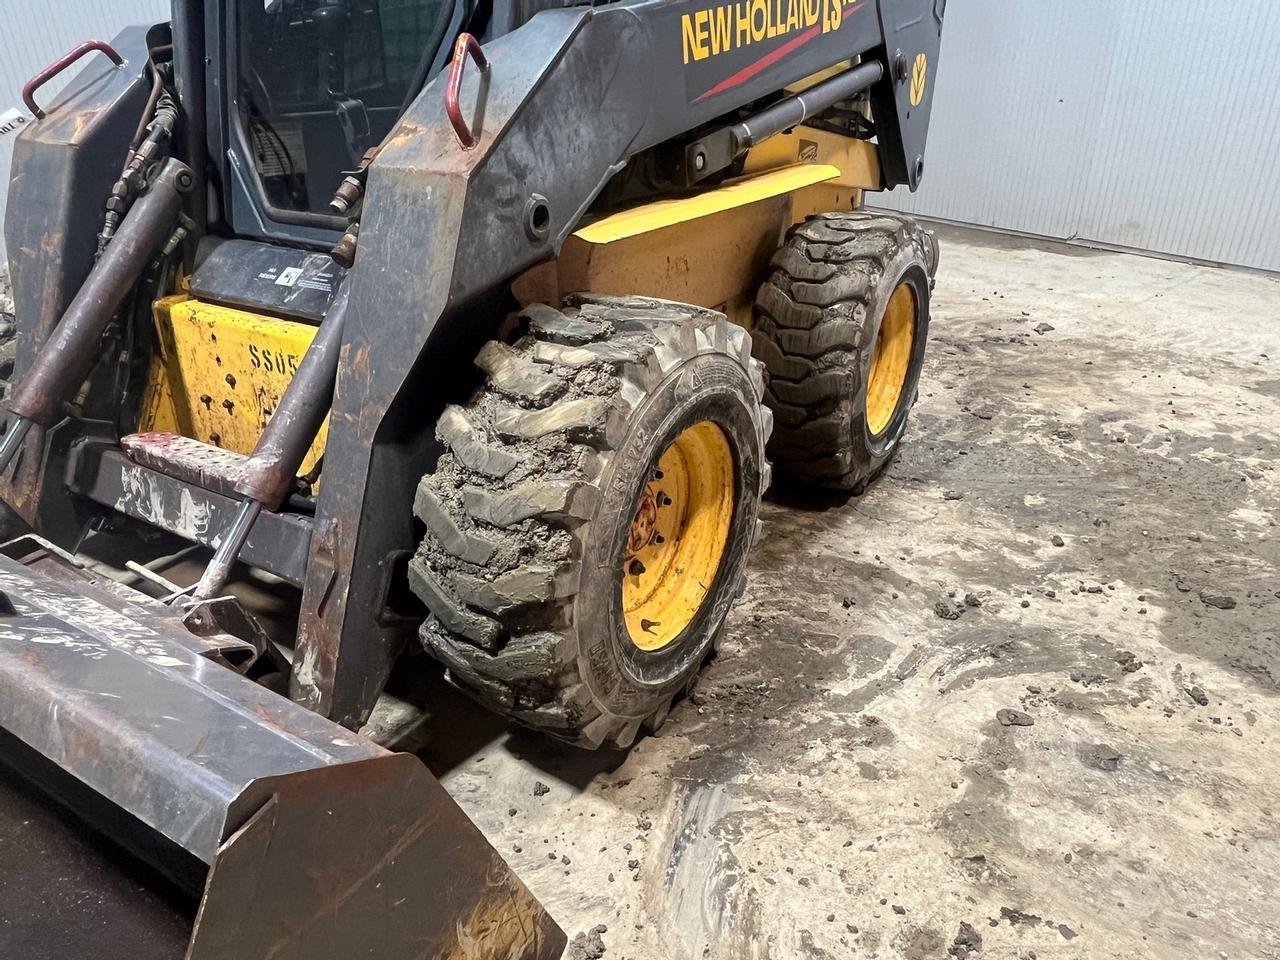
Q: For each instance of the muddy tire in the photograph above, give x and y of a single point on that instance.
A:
(841, 378)
(528, 564)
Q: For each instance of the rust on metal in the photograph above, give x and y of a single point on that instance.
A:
(62, 63)
(73, 348)
(299, 837)
(278, 542)
(212, 468)
(282, 448)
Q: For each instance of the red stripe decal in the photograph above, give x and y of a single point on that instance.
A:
(749, 71)
(746, 73)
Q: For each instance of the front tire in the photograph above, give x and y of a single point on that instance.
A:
(589, 523)
(841, 325)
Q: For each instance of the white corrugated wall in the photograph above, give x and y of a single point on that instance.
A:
(1142, 124)
(36, 32)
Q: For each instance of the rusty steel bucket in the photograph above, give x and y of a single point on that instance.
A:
(155, 803)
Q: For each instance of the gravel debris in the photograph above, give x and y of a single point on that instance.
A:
(1014, 718)
(589, 945)
(1219, 600)
(966, 943)
(948, 609)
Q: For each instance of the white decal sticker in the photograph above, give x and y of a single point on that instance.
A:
(11, 121)
(288, 276)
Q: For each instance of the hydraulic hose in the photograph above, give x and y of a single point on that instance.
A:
(71, 351)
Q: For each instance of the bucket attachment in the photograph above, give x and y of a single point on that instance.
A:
(155, 803)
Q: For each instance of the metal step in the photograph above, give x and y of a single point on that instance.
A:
(279, 542)
(190, 461)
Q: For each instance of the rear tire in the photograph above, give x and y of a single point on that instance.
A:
(821, 332)
(532, 511)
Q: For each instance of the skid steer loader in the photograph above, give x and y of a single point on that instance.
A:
(476, 322)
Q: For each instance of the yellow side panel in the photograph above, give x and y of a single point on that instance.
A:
(856, 161)
(824, 198)
(220, 373)
(665, 213)
(712, 249)
(710, 261)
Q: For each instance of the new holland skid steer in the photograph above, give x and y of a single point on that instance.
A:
(475, 322)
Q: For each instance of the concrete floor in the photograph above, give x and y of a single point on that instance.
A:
(840, 784)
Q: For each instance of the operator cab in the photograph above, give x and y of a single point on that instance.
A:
(316, 84)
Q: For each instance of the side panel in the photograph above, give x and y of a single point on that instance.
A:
(712, 249)
(712, 56)
(857, 160)
(220, 373)
(715, 262)
(63, 169)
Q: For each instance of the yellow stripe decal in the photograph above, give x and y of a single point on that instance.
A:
(664, 213)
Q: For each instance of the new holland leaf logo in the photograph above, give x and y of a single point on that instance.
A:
(919, 75)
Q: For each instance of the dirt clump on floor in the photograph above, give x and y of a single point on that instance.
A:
(588, 945)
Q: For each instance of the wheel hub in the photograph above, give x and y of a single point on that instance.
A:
(678, 536)
(645, 525)
(891, 359)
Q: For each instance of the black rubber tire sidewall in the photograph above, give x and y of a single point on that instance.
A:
(626, 680)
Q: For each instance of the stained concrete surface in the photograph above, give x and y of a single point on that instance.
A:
(855, 775)
(839, 784)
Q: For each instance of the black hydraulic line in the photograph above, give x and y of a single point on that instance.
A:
(189, 86)
(71, 351)
(142, 156)
(796, 109)
(716, 151)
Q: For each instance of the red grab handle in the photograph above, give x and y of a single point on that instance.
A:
(466, 45)
(55, 68)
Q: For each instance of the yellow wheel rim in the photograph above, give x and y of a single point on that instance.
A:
(891, 359)
(678, 536)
